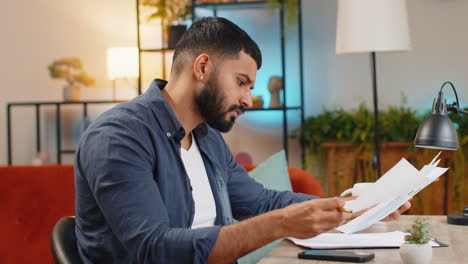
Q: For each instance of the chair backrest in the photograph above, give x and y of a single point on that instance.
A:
(63, 242)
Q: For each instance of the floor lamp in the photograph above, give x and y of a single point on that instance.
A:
(370, 26)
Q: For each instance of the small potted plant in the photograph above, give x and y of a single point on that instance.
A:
(173, 14)
(71, 70)
(416, 249)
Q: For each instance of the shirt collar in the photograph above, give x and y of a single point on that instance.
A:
(168, 120)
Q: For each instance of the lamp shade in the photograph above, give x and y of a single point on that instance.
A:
(437, 131)
(122, 62)
(372, 26)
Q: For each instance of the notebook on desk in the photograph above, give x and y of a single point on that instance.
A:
(358, 241)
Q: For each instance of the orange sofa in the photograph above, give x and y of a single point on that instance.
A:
(301, 181)
(34, 198)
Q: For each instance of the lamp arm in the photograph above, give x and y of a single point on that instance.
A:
(454, 107)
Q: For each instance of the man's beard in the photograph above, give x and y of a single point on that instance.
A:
(210, 103)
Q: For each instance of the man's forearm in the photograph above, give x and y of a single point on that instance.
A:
(301, 220)
(241, 238)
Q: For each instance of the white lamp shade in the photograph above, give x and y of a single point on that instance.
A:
(122, 62)
(372, 26)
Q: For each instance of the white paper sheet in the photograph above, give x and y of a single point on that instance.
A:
(388, 186)
(372, 216)
(389, 192)
(349, 241)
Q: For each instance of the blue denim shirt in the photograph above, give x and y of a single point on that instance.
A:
(133, 196)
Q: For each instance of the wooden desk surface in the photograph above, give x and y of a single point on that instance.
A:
(454, 235)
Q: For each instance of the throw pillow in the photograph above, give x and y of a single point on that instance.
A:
(273, 174)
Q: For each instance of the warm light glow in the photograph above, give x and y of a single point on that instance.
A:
(372, 26)
(122, 62)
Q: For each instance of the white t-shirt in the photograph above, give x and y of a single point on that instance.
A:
(205, 207)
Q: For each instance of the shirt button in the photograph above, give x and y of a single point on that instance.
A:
(168, 134)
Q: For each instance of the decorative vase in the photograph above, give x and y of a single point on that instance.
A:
(416, 253)
(79, 128)
(41, 158)
(275, 84)
(175, 32)
(71, 93)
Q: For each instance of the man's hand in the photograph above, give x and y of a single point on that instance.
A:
(313, 217)
(396, 215)
(393, 216)
(301, 220)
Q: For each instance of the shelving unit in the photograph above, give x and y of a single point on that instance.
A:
(37, 106)
(214, 8)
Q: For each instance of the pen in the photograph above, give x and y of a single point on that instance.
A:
(344, 210)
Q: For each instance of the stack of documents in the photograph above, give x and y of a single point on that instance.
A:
(349, 241)
(390, 192)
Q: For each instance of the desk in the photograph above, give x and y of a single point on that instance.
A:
(455, 236)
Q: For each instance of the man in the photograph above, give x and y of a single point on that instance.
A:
(155, 181)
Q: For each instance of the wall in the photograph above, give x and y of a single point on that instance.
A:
(36, 32)
(33, 34)
(439, 53)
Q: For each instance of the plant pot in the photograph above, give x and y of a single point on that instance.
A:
(71, 93)
(175, 32)
(416, 253)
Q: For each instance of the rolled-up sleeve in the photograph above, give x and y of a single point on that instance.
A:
(118, 165)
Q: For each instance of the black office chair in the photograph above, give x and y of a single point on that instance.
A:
(63, 242)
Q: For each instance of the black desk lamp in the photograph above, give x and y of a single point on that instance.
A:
(438, 132)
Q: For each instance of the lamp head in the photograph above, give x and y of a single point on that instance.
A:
(122, 62)
(437, 131)
(372, 26)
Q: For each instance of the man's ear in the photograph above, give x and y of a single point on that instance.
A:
(201, 67)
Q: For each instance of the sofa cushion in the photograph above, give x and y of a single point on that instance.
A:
(273, 174)
(33, 199)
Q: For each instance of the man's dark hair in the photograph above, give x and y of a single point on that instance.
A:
(215, 36)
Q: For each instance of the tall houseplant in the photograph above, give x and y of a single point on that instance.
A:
(356, 126)
(172, 14)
